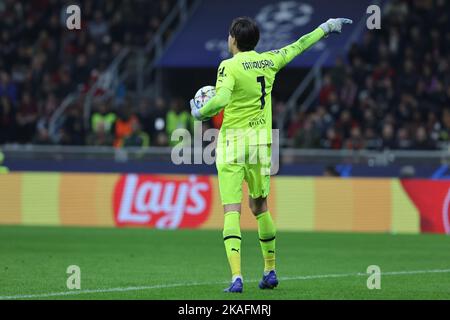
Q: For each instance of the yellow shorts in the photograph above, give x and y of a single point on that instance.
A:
(255, 170)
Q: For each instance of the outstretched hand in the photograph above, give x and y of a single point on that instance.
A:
(334, 25)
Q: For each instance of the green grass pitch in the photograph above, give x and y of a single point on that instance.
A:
(158, 264)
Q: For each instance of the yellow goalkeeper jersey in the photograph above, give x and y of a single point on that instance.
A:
(250, 76)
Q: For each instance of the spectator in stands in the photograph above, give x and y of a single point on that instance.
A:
(7, 121)
(422, 141)
(98, 28)
(372, 141)
(43, 130)
(8, 88)
(444, 131)
(295, 124)
(101, 137)
(332, 140)
(327, 89)
(348, 92)
(27, 115)
(403, 139)
(355, 141)
(388, 137)
(157, 116)
(144, 116)
(177, 118)
(137, 138)
(308, 136)
(338, 73)
(73, 132)
(103, 119)
(124, 125)
(334, 106)
(152, 117)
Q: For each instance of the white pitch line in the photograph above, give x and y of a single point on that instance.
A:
(342, 275)
(185, 284)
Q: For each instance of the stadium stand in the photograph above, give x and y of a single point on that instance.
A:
(42, 62)
(392, 91)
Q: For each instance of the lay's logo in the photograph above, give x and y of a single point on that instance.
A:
(163, 202)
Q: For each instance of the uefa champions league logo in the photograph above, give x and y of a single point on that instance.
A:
(284, 18)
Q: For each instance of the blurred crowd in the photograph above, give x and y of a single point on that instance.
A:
(41, 61)
(394, 90)
(151, 123)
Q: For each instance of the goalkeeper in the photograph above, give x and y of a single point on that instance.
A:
(244, 85)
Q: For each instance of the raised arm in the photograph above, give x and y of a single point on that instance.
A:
(292, 50)
(288, 53)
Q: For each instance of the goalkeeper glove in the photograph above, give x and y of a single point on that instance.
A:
(195, 111)
(334, 25)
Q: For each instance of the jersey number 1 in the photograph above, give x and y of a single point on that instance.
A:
(262, 81)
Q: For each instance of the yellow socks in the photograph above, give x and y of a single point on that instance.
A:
(266, 232)
(232, 241)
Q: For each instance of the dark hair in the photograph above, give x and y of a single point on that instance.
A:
(246, 33)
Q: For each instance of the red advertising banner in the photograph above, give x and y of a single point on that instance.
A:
(432, 199)
(192, 201)
(162, 201)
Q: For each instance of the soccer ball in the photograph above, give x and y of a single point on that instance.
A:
(203, 95)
